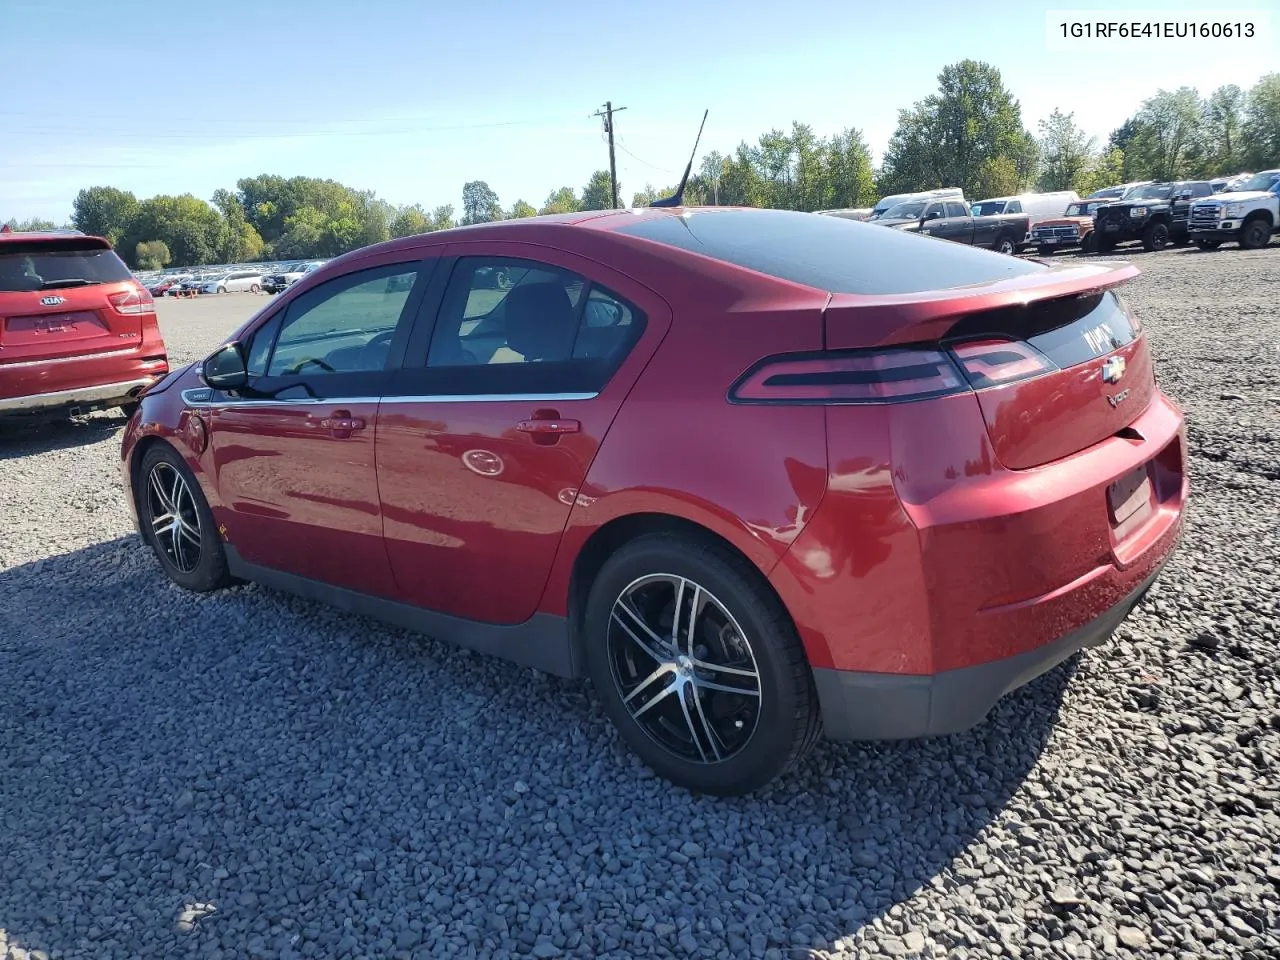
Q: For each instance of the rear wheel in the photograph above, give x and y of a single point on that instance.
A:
(1155, 236)
(1005, 245)
(698, 665)
(177, 522)
(254, 288)
(222, 289)
(1255, 234)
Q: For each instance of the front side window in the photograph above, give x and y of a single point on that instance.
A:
(343, 326)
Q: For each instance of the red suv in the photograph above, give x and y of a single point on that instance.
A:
(77, 331)
(756, 473)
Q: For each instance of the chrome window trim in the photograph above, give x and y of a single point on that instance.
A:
(438, 398)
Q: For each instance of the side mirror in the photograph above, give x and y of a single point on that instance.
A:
(225, 369)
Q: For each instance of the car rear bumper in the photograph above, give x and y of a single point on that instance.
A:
(95, 397)
(886, 706)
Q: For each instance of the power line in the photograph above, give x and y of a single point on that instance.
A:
(622, 145)
(134, 135)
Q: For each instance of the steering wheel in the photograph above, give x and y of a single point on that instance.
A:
(298, 367)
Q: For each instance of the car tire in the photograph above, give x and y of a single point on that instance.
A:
(1155, 236)
(254, 288)
(129, 409)
(690, 731)
(1255, 234)
(1005, 245)
(165, 482)
(1088, 244)
(222, 290)
(1208, 244)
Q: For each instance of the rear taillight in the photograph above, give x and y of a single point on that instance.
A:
(994, 363)
(134, 300)
(851, 376)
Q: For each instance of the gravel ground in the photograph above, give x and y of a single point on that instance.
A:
(246, 775)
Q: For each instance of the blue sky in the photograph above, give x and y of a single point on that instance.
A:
(412, 98)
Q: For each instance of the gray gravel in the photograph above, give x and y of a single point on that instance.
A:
(246, 775)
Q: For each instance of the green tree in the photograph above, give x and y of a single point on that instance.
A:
(442, 217)
(1167, 141)
(30, 225)
(1107, 170)
(1066, 152)
(520, 209)
(953, 137)
(238, 241)
(410, 221)
(1262, 124)
(850, 178)
(152, 255)
(1223, 122)
(564, 200)
(479, 203)
(649, 194)
(189, 227)
(597, 194)
(105, 212)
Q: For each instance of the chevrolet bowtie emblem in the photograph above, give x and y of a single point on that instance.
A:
(1113, 369)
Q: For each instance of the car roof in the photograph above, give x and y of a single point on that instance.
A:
(53, 237)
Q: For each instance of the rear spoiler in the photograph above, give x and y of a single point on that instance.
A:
(12, 243)
(854, 320)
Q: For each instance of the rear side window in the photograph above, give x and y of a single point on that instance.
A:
(829, 253)
(29, 266)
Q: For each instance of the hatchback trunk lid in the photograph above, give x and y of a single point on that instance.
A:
(1055, 358)
(66, 296)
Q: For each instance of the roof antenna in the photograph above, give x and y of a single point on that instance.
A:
(677, 198)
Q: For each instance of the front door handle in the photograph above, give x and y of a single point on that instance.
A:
(342, 424)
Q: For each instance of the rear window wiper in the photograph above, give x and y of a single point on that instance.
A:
(69, 282)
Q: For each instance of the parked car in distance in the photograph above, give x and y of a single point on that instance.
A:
(1249, 214)
(289, 274)
(951, 220)
(1155, 213)
(77, 331)
(1073, 229)
(849, 213)
(756, 473)
(1117, 192)
(1037, 207)
(162, 285)
(885, 204)
(237, 281)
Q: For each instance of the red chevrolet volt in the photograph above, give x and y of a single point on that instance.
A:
(759, 474)
(77, 330)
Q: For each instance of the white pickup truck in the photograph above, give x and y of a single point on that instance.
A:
(1249, 215)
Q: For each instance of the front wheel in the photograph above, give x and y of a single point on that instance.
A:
(177, 523)
(1255, 234)
(1155, 236)
(699, 666)
(254, 288)
(1208, 244)
(1090, 243)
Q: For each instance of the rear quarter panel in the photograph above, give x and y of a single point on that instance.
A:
(751, 474)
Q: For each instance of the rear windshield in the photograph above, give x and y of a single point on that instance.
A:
(830, 253)
(31, 268)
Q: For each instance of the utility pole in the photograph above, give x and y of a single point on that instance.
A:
(607, 114)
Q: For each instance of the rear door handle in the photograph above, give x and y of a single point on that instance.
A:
(342, 424)
(549, 427)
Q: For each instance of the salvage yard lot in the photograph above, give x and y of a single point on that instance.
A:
(245, 774)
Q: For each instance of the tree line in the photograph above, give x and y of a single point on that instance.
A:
(969, 133)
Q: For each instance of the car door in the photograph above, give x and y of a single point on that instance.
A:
(293, 453)
(511, 381)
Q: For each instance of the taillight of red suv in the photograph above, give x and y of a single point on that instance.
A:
(134, 300)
